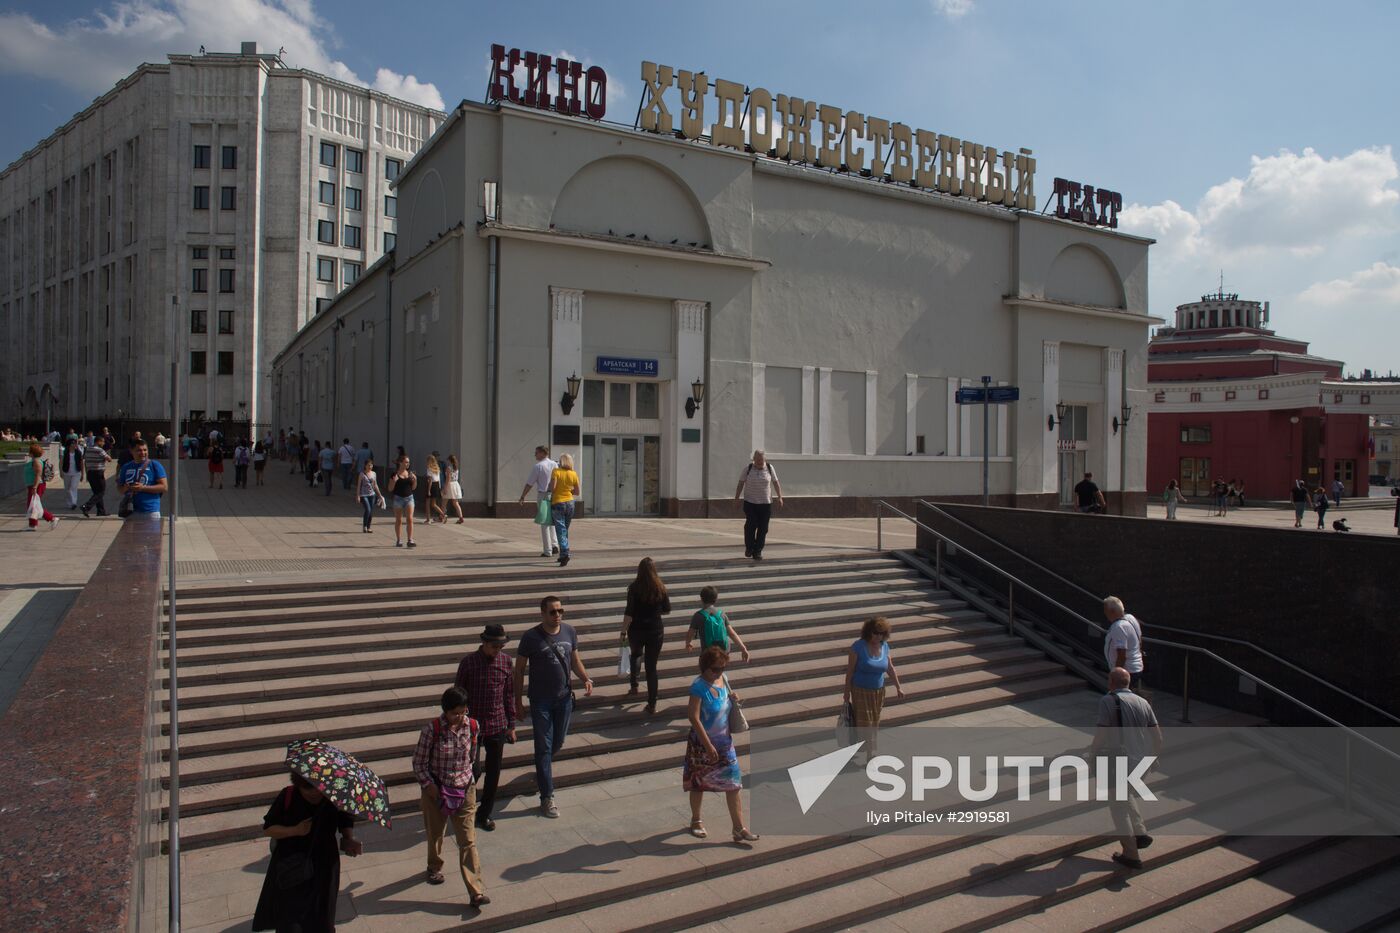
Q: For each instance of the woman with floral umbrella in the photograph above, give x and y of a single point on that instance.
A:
(328, 790)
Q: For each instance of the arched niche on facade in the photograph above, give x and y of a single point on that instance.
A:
(428, 217)
(630, 197)
(1082, 275)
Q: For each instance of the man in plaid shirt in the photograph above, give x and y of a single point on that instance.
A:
(485, 675)
(442, 764)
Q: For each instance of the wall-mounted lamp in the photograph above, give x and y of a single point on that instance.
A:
(1123, 423)
(1061, 409)
(697, 396)
(566, 401)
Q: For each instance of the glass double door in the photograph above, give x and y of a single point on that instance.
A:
(1195, 476)
(622, 474)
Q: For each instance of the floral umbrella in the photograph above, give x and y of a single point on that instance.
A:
(351, 786)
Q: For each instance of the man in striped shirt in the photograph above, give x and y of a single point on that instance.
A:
(758, 487)
(486, 676)
(95, 463)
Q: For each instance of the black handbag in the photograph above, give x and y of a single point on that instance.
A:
(292, 870)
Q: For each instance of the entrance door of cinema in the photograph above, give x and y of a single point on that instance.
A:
(622, 474)
(1195, 476)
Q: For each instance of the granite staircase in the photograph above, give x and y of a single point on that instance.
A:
(362, 664)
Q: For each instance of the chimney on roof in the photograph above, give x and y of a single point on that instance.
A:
(250, 48)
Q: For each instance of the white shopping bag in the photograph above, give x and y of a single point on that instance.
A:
(624, 661)
(36, 508)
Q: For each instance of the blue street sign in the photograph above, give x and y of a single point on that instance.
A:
(626, 366)
(996, 395)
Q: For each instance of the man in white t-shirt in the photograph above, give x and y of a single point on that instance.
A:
(1122, 646)
(758, 489)
(540, 475)
(346, 457)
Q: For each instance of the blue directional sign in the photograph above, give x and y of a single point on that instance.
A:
(995, 395)
(626, 366)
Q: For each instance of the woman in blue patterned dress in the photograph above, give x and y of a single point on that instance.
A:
(711, 764)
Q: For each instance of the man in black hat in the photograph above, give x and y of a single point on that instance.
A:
(486, 676)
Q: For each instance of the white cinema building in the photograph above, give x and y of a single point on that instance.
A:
(826, 316)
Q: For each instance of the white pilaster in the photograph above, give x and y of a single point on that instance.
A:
(1049, 395)
(565, 360)
(965, 424)
(911, 404)
(1112, 408)
(809, 408)
(950, 442)
(870, 390)
(690, 366)
(760, 388)
(1003, 413)
(824, 410)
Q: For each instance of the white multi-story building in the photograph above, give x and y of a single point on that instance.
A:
(201, 211)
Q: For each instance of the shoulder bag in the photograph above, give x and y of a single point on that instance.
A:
(559, 656)
(543, 513)
(737, 721)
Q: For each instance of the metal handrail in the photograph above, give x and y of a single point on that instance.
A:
(1189, 649)
(1168, 628)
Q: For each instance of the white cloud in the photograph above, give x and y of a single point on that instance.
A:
(1299, 203)
(1380, 284)
(953, 9)
(408, 88)
(90, 54)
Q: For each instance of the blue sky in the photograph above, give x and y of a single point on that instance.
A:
(1254, 137)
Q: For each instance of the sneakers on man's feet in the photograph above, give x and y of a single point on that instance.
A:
(1143, 841)
(552, 552)
(548, 808)
(563, 560)
(87, 511)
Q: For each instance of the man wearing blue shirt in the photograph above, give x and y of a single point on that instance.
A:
(144, 479)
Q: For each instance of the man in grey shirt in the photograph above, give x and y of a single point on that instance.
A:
(1127, 727)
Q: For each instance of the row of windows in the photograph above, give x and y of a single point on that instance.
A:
(355, 161)
(199, 362)
(325, 270)
(351, 238)
(199, 280)
(199, 322)
(228, 198)
(354, 199)
(228, 157)
(202, 252)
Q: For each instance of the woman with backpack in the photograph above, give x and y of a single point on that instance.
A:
(647, 602)
(216, 463)
(442, 763)
(38, 473)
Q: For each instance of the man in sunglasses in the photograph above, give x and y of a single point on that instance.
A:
(549, 651)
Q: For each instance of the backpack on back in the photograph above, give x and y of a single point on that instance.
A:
(713, 630)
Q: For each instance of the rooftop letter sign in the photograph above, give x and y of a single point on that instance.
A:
(799, 130)
(550, 83)
(1083, 204)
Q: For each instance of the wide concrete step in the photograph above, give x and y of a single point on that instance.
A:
(676, 670)
(231, 811)
(1001, 879)
(1364, 904)
(542, 574)
(599, 654)
(298, 636)
(1261, 896)
(197, 610)
(228, 663)
(780, 896)
(596, 724)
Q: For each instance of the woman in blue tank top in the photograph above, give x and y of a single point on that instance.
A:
(867, 665)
